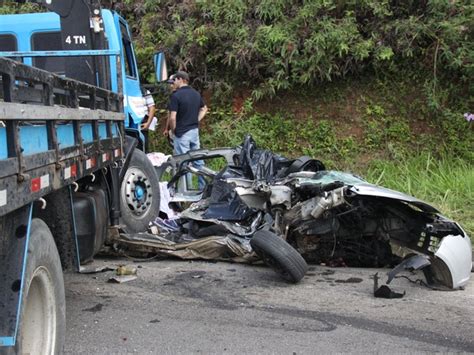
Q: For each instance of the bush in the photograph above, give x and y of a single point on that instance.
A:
(272, 45)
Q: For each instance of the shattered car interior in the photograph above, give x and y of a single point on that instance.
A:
(290, 212)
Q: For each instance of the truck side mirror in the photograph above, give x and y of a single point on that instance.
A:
(161, 69)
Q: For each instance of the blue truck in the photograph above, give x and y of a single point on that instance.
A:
(72, 166)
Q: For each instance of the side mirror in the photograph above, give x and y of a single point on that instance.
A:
(161, 69)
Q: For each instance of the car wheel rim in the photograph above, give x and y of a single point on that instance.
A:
(137, 192)
(38, 332)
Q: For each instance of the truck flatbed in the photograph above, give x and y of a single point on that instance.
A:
(54, 131)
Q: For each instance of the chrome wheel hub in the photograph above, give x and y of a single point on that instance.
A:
(138, 192)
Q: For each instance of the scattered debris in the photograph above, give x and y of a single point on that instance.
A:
(230, 248)
(123, 270)
(97, 308)
(384, 291)
(122, 279)
(350, 280)
(94, 269)
(166, 225)
(415, 262)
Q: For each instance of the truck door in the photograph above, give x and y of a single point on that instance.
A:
(133, 100)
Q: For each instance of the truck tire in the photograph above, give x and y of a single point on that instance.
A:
(139, 194)
(279, 255)
(42, 327)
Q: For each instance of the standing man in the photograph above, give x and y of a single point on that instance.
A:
(187, 109)
(149, 110)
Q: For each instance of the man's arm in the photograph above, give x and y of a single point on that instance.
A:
(172, 121)
(173, 109)
(150, 114)
(167, 125)
(202, 113)
(166, 130)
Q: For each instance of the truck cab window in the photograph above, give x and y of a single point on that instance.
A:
(128, 52)
(8, 43)
(48, 41)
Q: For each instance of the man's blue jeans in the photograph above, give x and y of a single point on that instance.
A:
(185, 143)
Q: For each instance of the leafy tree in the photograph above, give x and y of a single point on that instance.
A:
(270, 45)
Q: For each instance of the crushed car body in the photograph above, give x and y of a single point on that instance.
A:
(327, 217)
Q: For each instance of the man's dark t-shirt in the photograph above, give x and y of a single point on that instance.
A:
(186, 102)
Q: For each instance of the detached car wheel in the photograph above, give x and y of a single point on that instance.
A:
(43, 308)
(279, 255)
(139, 194)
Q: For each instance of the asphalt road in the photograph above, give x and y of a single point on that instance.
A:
(181, 307)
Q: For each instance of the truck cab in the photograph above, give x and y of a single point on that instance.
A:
(42, 32)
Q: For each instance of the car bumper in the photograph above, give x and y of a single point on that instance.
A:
(455, 251)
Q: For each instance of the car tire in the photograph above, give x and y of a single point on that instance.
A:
(279, 255)
(139, 194)
(42, 327)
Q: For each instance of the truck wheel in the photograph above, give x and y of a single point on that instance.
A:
(42, 327)
(139, 194)
(279, 255)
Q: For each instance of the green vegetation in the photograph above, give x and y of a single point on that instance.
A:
(446, 182)
(273, 45)
(12, 7)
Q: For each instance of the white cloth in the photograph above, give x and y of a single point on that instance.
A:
(165, 198)
(157, 158)
(153, 123)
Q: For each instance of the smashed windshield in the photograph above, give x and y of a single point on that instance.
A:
(328, 176)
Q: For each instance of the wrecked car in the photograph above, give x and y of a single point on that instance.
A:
(290, 210)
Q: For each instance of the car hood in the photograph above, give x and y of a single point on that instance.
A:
(360, 187)
(366, 189)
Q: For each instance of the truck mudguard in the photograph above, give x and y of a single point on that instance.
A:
(14, 236)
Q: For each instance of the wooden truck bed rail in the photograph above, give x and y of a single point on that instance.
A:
(53, 131)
